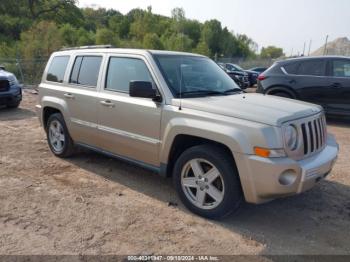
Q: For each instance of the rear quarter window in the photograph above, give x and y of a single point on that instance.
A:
(312, 68)
(57, 69)
(291, 68)
(274, 69)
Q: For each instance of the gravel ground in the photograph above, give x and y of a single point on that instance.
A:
(92, 204)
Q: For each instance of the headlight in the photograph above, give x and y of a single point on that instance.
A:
(291, 137)
(13, 81)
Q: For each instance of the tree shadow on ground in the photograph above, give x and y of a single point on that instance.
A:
(338, 121)
(11, 114)
(314, 222)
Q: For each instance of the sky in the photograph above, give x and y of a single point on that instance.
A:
(283, 23)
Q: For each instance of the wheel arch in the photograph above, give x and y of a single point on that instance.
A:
(182, 142)
(281, 88)
(47, 112)
(52, 105)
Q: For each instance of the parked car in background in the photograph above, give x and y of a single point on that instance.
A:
(252, 75)
(10, 89)
(220, 145)
(241, 78)
(259, 70)
(320, 80)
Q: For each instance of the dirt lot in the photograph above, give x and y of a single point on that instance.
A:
(92, 204)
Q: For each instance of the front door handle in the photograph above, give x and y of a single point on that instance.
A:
(336, 85)
(69, 95)
(107, 103)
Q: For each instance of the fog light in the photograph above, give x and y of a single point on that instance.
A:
(288, 177)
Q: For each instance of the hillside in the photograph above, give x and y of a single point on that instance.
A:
(340, 46)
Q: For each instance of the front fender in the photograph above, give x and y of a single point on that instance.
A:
(239, 138)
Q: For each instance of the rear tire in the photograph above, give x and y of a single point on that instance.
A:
(58, 138)
(282, 94)
(207, 182)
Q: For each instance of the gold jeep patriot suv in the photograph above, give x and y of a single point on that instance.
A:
(181, 115)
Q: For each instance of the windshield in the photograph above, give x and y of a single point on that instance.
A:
(194, 76)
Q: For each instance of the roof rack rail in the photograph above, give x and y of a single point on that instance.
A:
(87, 47)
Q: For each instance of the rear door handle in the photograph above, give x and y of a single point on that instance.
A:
(69, 95)
(336, 85)
(107, 103)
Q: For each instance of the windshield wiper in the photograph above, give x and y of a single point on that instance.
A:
(232, 90)
(209, 92)
(201, 92)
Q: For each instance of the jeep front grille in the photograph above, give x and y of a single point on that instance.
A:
(314, 133)
(312, 136)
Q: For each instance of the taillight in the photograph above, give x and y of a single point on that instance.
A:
(261, 77)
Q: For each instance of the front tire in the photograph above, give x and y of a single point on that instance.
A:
(58, 138)
(207, 181)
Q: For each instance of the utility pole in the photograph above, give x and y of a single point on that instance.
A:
(325, 46)
(291, 53)
(304, 49)
(309, 47)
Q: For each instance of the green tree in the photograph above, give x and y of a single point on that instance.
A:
(271, 52)
(192, 29)
(40, 40)
(178, 42)
(144, 22)
(37, 44)
(69, 35)
(105, 36)
(211, 35)
(85, 37)
(202, 49)
(152, 41)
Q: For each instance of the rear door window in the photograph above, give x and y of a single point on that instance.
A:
(86, 70)
(341, 68)
(57, 69)
(312, 68)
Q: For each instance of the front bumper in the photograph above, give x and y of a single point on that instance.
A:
(39, 113)
(270, 178)
(12, 96)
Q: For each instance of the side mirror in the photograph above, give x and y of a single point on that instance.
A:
(143, 89)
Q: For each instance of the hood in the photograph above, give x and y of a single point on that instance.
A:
(260, 108)
(5, 75)
(251, 72)
(238, 73)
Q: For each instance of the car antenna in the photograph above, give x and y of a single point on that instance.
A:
(180, 107)
(182, 48)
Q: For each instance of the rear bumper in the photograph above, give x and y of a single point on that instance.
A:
(259, 88)
(13, 95)
(267, 179)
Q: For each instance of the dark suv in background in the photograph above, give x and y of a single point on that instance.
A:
(252, 75)
(10, 89)
(241, 78)
(320, 80)
(259, 70)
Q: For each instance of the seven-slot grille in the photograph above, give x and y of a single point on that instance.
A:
(314, 134)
